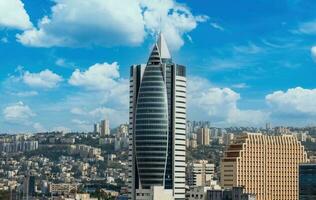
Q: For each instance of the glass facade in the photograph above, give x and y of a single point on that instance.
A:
(151, 131)
(157, 124)
(307, 181)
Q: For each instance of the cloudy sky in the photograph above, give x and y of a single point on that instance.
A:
(64, 64)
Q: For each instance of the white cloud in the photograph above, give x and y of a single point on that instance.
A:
(116, 116)
(18, 113)
(313, 53)
(99, 22)
(171, 18)
(60, 62)
(26, 94)
(189, 38)
(105, 95)
(308, 27)
(105, 80)
(240, 85)
(43, 79)
(80, 122)
(239, 117)
(219, 105)
(250, 48)
(38, 127)
(4, 40)
(13, 15)
(294, 101)
(98, 77)
(217, 26)
(82, 125)
(61, 129)
(277, 44)
(73, 23)
(77, 111)
(219, 64)
(218, 102)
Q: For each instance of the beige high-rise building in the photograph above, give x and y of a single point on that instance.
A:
(265, 165)
(203, 136)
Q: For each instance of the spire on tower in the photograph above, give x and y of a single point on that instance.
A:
(163, 48)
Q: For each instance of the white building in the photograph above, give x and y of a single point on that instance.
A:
(200, 173)
(62, 188)
(18, 146)
(157, 126)
(155, 193)
(104, 128)
(86, 151)
(228, 138)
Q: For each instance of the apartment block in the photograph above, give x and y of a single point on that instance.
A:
(200, 173)
(264, 165)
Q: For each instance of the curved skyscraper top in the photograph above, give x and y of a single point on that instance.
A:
(157, 127)
(151, 130)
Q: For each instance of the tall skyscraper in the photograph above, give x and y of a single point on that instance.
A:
(307, 182)
(157, 131)
(265, 165)
(203, 136)
(104, 128)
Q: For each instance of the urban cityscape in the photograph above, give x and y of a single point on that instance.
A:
(162, 132)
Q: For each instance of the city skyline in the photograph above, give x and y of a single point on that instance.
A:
(64, 71)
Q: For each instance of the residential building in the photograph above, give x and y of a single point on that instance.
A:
(265, 165)
(85, 151)
(281, 130)
(104, 128)
(62, 188)
(235, 193)
(157, 126)
(191, 143)
(228, 138)
(96, 128)
(200, 173)
(203, 136)
(197, 193)
(18, 146)
(109, 193)
(307, 182)
(200, 192)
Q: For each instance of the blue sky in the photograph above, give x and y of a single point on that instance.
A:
(65, 64)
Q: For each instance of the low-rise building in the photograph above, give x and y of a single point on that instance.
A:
(62, 188)
(200, 173)
(236, 193)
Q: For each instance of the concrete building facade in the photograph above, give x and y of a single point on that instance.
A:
(200, 173)
(235, 193)
(265, 165)
(203, 136)
(104, 128)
